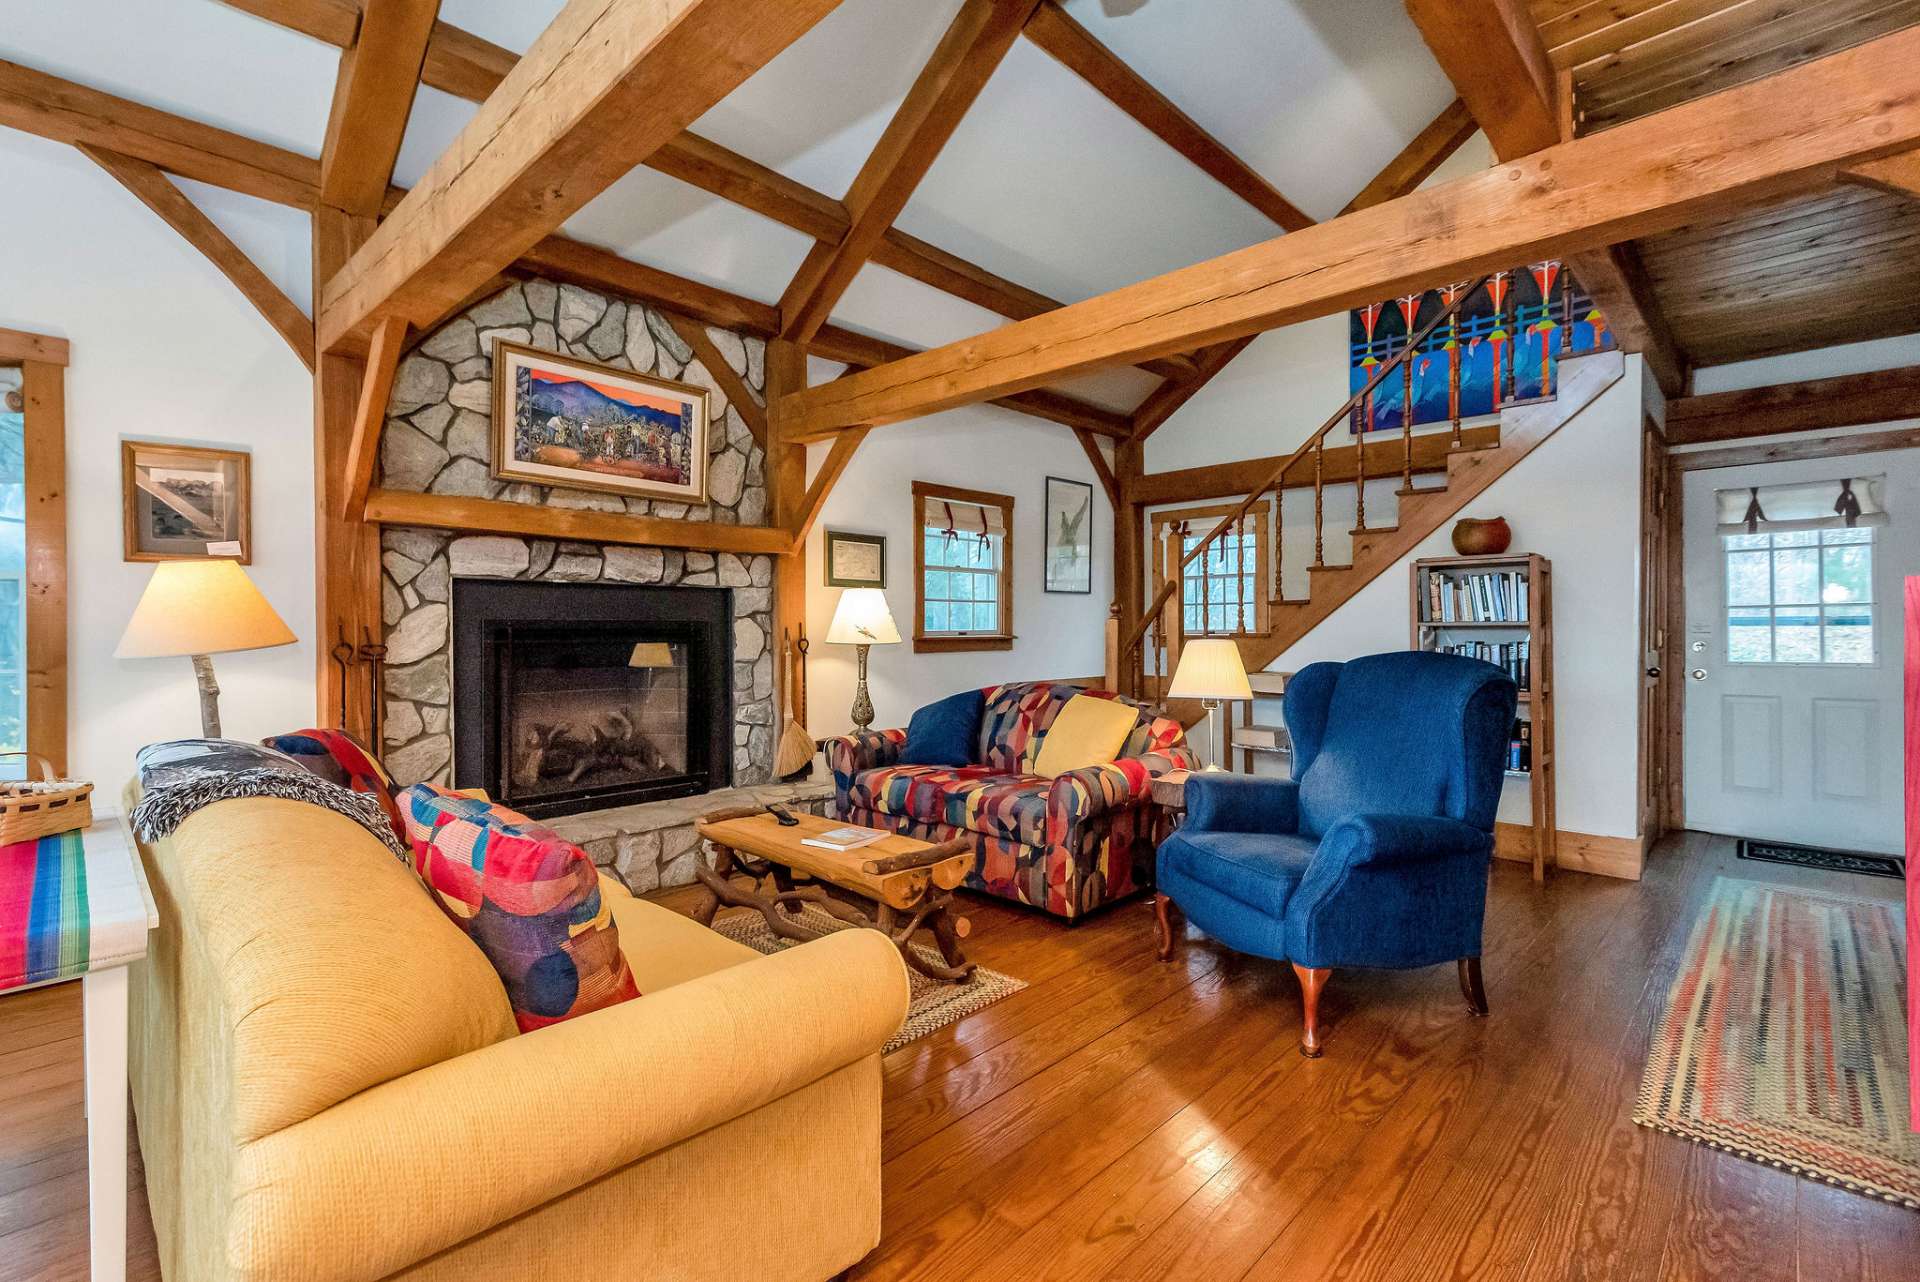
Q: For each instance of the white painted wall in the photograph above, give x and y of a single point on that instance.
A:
(982, 448)
(165, 349)
(1821, 362)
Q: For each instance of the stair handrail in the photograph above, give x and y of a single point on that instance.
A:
(1406, 353)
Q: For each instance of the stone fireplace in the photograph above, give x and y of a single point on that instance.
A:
(571, 697)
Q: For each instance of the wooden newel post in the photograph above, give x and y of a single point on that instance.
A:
(1113, 675)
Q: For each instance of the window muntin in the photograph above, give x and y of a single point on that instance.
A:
(1800, 597)
(960, 585)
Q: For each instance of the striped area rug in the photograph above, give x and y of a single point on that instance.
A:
(1785, 1039)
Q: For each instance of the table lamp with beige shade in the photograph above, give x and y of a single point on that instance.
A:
(862, 619)
(198, 609)
(1210, 670)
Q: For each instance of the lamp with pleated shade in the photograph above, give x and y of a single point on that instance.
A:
(198, 609)
(1210, 670)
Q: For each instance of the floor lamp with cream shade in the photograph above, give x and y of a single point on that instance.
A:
(1210, 670)
(198, 609)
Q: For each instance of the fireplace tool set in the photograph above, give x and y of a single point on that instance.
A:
(373, 654)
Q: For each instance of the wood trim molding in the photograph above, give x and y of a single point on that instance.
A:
(1846, 400)
(496, 516)
(1727, 151)
(17, 347)
(1623, 857)
(157, 192)
(1835, 445)
(1226, 480)
(43, 384)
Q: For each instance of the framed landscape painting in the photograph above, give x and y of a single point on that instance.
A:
(1069, 536)
(558, 420)
(181, 502)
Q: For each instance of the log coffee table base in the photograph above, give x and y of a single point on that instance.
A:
(898, 886)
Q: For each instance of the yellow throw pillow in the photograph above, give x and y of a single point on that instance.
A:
(1088, 732)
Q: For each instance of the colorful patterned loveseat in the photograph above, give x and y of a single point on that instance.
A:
(1068, 844)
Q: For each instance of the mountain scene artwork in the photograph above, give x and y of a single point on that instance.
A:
(592, 426)
(1504, 345)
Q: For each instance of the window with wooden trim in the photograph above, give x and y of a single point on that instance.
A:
(1223, 592)
(963, 578)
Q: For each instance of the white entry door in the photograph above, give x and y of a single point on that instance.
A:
(1793, 663)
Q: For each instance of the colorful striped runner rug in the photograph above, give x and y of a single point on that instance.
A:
(1785, 1038)
(44, 928)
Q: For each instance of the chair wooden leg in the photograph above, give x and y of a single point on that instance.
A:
(1470, 986)
(1312, 980)
(1163, 925)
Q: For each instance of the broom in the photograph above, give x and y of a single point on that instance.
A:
(796, 745)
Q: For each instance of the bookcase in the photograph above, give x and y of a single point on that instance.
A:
(1500, 608)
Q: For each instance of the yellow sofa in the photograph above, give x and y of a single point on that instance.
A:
(329, 1085)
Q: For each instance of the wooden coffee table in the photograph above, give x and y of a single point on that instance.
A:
(898, 885)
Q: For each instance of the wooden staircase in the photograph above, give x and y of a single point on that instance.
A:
(1422, 510)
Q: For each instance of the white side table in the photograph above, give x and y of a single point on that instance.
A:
(92, 914)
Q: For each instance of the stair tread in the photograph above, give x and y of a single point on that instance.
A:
(1414, 490)
(1315, 569)
(1373, 529)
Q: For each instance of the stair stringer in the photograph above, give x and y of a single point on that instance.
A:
(1583, 380)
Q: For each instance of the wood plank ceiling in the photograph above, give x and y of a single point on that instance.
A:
(1807, 272)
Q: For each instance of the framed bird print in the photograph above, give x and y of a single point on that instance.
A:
(1069, 542)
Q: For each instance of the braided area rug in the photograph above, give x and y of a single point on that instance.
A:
(1785, 1038)
(934, 1003)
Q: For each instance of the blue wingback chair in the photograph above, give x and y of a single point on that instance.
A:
(1375, 852)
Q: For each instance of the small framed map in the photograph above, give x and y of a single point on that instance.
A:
(855, 560)
(184, 502)
(1069, 547)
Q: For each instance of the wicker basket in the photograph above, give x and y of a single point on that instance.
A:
(32, 809)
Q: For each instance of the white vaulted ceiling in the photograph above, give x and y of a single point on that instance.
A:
(1045, 182)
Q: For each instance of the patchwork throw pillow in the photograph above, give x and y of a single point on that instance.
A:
(943, 733)
(1089, 731)
(527, 897)
(337, 757)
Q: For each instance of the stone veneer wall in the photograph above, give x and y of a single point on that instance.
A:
(438, 440)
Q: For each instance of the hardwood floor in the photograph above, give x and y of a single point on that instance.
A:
(1125, 1119)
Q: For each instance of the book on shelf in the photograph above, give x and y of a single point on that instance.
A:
(1520, 746)
(1512, 657)
(1260, 736)
(1486, 596)
(844, 839)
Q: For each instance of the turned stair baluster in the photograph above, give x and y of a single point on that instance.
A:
(1279, 537)
(1360, 473)
(1319, 499)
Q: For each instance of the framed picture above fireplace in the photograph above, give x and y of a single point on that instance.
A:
(559, 420)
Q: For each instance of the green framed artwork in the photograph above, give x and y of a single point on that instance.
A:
(855, 560)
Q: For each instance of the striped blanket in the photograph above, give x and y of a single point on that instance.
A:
(44, 924)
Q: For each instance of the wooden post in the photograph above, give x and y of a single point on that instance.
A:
(1112, 676)
(347, 552)
(1128, 574)
(786, 493)
(43, 385)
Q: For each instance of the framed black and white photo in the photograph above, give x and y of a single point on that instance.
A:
(855, 560)
(1069, 541)
(184, 503)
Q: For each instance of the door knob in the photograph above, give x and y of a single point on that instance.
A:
(1654, 672)
(1698, 674)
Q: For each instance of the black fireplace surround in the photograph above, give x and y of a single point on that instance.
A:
(580, 696)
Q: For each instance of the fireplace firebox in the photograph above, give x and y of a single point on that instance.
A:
(579, 696)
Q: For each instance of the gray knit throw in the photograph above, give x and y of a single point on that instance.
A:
(166, 807)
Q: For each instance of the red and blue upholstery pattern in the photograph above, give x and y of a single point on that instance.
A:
(527, 897)
(337, 757)
(1067, 845)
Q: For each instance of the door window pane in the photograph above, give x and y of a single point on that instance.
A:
(1805, 596)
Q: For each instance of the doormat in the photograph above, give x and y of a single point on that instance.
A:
(1787, 852)
(1785, 1039)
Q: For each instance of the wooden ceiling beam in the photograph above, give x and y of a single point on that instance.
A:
(604, 87)
(738, 394)
(1413, 165)
(36, 103)
(1493, 53)
(814, 501)
(1788, 133)
(370, 416)
(157, 192)
(1847, 400)
(1899, 175)
(973, 46)
(372, 98)
(463, 64)
(1076, 49)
